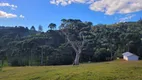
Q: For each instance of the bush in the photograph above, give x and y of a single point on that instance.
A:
(19, 62)
(61, 56)
(58, 58)
(101, 54)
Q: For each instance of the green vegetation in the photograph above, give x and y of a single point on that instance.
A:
(115, 70)
(74, 41)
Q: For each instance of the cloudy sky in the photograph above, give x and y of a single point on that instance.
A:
(43, 12)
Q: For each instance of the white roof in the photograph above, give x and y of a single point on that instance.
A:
(128, 54)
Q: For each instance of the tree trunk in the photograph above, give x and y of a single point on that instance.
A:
(31, 56)
(76, 60)
(1, 65)
(41, 63)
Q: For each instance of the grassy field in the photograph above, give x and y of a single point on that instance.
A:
(115, 70)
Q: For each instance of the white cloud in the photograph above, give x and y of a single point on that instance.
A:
(111, 7)
(126, 18)
(13, 7)
(7, 15)
(21, 16)
(67, 2)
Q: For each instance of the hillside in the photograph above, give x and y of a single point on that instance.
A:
(20, 46)
(116, 70)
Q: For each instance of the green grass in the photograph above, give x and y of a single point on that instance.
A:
(115, 70)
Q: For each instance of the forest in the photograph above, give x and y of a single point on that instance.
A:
(74, 42)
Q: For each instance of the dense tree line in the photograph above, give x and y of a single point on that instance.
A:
(20, 46)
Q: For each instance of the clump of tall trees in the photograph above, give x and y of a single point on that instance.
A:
(73, 43)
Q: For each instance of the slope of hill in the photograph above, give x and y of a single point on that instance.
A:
(20, 46)
(116, 70)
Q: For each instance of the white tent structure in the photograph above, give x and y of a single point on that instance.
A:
(130, 56)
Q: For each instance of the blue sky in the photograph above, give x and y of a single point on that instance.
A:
(43, 12)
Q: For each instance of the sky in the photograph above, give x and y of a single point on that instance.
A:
(43, 12)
